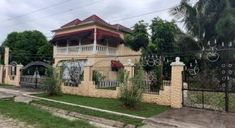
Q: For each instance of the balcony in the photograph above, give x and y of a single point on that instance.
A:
(85, 50)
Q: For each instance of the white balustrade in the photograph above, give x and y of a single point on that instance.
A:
(61, 50)
(112, 51)
(101, 49)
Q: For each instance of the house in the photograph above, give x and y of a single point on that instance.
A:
(93, 42)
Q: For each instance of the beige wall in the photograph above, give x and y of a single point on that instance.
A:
(5, 76)
(170, 95)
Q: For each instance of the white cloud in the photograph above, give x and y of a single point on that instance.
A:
(52, 18)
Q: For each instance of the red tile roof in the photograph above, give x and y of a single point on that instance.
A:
(96, 19)
(72, 23)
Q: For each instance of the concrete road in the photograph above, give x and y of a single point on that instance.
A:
(191, 118)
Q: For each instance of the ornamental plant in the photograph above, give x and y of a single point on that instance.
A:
(131, 90)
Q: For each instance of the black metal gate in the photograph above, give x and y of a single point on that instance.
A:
(209, 81)
(33, 74)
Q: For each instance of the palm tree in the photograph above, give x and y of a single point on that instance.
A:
(207, 20)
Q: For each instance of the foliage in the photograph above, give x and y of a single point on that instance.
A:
(131, 90)
(163, 35)
(52, 83)
(138, 38)
(207, 20)
(121, 76)
(36, 117)
(28, 46)
(144, 109)
(97, 77)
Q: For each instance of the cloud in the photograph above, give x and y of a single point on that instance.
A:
(55, 16)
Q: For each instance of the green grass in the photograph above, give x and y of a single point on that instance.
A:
(126, 120)
(36, 117)
(143, 109)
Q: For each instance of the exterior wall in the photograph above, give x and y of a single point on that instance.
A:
(170, 95)
(5, 76)
(164, 97)
(88, 89)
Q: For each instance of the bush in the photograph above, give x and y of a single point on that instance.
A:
(131, 90)
(52, 83)
(97, 77)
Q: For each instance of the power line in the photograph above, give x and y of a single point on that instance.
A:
(143, 14)
(58, 13)
(37, 10)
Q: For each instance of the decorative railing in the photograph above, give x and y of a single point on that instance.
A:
(107, 84)
(86, 48)
(32, 82)
(151, 87)
(112, 51)
(100, 49)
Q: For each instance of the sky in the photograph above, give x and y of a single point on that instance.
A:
(47, 15)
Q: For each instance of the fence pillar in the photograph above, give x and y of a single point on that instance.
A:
(176, 83)
(1, 74)
(6, 56)
(18, 74)
(129, 67)
(87, 73)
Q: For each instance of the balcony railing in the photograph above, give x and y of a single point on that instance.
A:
(100, 49)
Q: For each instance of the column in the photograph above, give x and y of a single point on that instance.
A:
(87, 73)
(177, 68)
(129, 67)
(1, 73)
(18, 74)
(6, 64)
(80, 46)
(67, 47)
(6, 56)
(95, 41)
(107, 48)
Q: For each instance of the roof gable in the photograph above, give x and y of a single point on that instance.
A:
(72, 23)
(94, 18)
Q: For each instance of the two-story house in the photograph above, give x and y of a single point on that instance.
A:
(95, 42)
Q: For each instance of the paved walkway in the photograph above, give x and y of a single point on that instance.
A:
(11, 123)
(191, 118)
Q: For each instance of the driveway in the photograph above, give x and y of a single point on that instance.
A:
(191, 118)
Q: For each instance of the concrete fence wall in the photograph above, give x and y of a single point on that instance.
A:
(169, 95)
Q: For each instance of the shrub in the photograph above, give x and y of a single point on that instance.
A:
(52, 83)
(131, 90)
(97, 77)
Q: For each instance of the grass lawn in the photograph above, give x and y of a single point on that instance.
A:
(127, 120)
(144, 109)
(36, 117)
(7, 86)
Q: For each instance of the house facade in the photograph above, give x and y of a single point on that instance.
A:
(93, 42)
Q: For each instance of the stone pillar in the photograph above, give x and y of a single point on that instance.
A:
(6, 56)
(1, 74)
(87, 73)
(129, 67)
(176, 83)
(18, 74)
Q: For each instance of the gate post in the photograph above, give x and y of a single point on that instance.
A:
(129, 67)
(18, 74)
(176, 83)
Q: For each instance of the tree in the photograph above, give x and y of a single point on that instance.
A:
(207, 20)
(28, 46)
(163, 35)
(138, 38)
